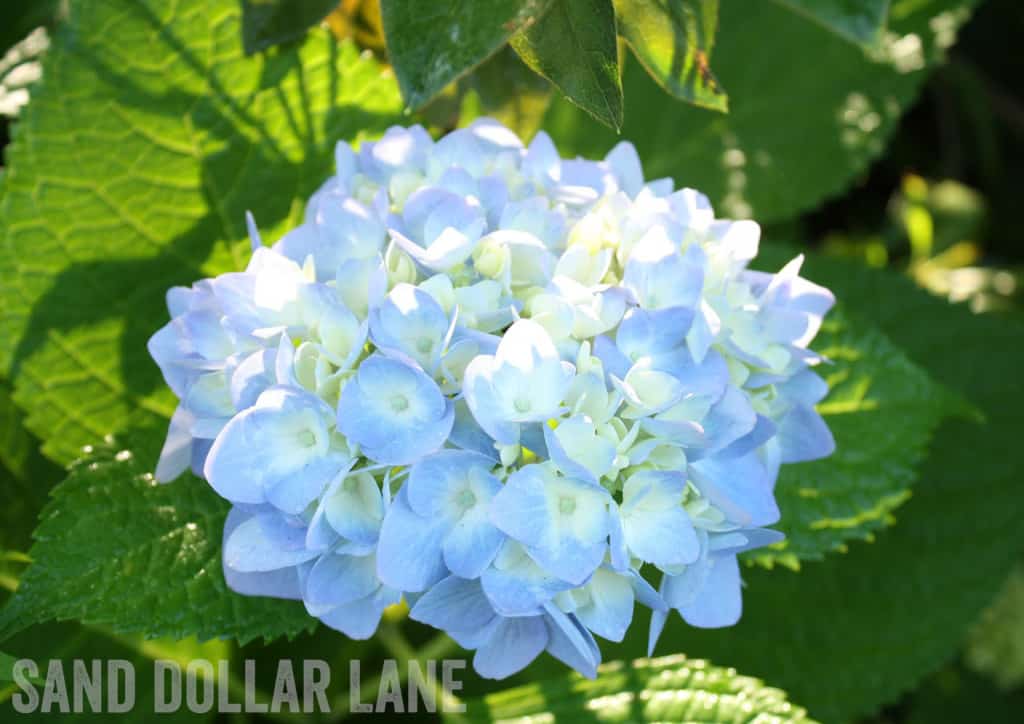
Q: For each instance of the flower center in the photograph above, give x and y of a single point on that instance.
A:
(521, 404)
(399, 403)
(306, 438)
(424, 345)
(466, 498)
(566, 505)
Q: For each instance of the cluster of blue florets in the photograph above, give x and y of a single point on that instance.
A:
(523, 393)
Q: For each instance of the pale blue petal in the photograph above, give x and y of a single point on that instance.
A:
(359, 619)
(804, 436)
(740, 487)
(610, 609)
(571, 560)
(571, 643)
(719, 603)
(280, 583)
(513, 645)
(337, 579)
(521, 508)
(471, 545)
(266, 542)
(176, 454)
(454, 604)
(409, 554)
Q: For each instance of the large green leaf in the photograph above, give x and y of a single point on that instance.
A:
(807, 111)
(853, 493)
(673, 40)
(861, 21)
(131, 170)
(118, 550)
(432, 44)
(671, 688)
(574, 47)
(848, 634)
(269, 22)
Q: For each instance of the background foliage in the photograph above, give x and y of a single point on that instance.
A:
(883, 139)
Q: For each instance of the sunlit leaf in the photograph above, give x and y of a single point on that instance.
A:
(142, 181)
(673, 40)
(667, 689)
(116, 549)
(573, 46)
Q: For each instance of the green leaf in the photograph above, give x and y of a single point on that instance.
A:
(671, 688)
(269, 22)
(853, 493)
(807, 112)
(859, 21)
(116, 549)
(850, 634)
(131, 171)
(574, 47)
(673, 40)
(433, 44)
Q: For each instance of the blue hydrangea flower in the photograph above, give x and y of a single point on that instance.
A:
(515, 390)
(394, 411)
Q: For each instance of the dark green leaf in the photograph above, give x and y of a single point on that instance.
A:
(142, 182)
(432, 44)
(860, 21)
(673, 40)
(269, 22)
(574, 46)
(116, 549)
(667, 689)
(852, 494)
(807, 112)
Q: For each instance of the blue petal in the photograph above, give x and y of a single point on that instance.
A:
(610, 609)
(804, 436)
(740, 487)
(359, 619)
(335, 580)
(521, 508)
(409, 554)
(280, 583)
(513, 645)
(571, 643)
(719, 603)
(472, 544)
(454, 604)
(266, 542)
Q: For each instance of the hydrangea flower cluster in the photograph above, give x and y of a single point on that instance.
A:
(515, 389)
